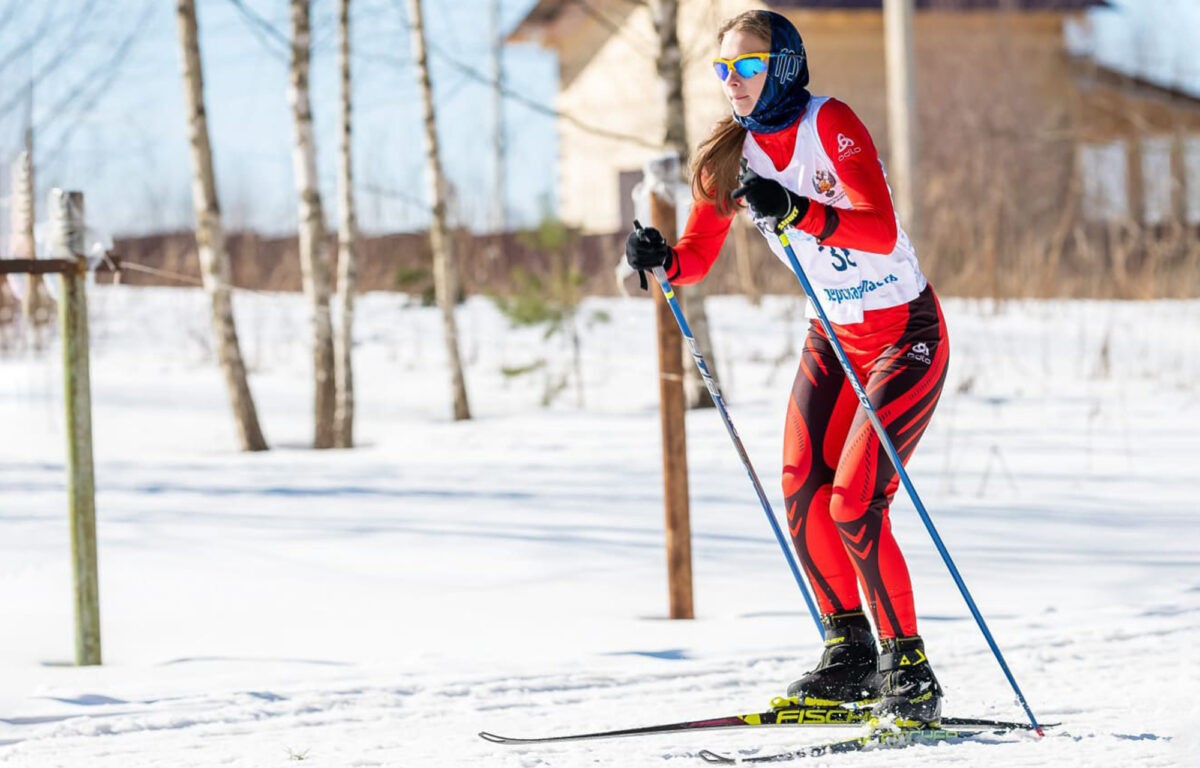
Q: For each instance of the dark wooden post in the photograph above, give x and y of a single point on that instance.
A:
(673, 406)
(67, 237)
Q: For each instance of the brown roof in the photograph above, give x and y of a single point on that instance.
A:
(544, 10)
(541, 15)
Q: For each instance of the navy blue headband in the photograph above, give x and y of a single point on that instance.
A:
(785, 93)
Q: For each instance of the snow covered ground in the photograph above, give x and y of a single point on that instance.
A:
(378, 607)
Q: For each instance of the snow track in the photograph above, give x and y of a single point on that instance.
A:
(379, 607)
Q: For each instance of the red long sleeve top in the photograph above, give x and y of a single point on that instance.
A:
(869, 225)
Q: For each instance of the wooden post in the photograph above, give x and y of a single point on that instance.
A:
(67, 235)
(902, 101)
(673, 406)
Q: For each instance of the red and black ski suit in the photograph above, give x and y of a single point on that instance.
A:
(838, 481)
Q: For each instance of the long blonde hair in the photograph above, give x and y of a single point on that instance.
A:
(718, 158)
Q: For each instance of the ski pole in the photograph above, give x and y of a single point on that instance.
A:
(904, 478)
(709, 381)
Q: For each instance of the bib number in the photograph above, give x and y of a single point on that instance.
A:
(841, 257)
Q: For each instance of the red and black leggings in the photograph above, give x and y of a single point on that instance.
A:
(837, 479)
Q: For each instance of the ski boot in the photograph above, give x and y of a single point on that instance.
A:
(908, 689)
(846, 672)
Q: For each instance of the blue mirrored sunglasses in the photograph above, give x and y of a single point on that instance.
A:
(747, 65)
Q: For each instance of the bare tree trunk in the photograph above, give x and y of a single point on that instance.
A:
(210, 237)
(744, 256)
(499, 170)
(39, 307)
(669, 64)
(10, 307)
(347, 248)
(20, 247)
(444, 275)
(314, 249)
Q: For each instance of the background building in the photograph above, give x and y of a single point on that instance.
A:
(1039, 171)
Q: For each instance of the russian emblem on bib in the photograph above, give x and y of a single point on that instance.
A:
(824, 182)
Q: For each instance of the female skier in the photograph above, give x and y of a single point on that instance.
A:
(789, 156)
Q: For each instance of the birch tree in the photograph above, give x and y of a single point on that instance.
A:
(499, 168)
(444, 275)
(669, 65)
(347, 281)
(39, 306)
(314, 248)
(210, 236)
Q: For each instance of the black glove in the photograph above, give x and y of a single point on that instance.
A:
(645, 249)
(770, 199)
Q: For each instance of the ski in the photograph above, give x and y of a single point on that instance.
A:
(883, 739)
(787, 717)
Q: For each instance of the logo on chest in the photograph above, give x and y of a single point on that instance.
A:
(825, 183)
(846, 147)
